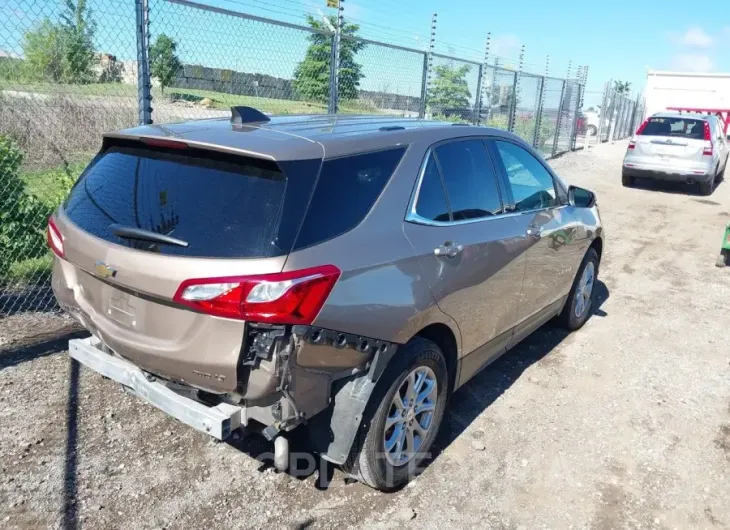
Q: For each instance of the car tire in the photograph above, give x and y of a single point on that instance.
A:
(370, 460)
(627, 181)
(591, 130)
(706, 188)
(579, 304)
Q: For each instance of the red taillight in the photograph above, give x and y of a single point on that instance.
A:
(283, 298)
(642, 126)
(54, 238)
(632, 144)
(708, 140)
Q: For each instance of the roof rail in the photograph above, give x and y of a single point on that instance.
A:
(241, 115)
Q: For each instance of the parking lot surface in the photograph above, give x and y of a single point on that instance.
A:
(624, 424)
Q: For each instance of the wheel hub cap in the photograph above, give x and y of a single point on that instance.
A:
(410, 416)
(584, 290)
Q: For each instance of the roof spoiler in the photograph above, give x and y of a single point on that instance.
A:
(241, 115)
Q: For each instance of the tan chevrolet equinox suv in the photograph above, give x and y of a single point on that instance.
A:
(340, 274)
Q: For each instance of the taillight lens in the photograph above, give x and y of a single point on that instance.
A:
(283, 298)
(707, 150)
(54, 238)
(632, 144)
(642, 126)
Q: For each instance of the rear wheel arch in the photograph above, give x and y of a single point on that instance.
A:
(445, 338)
(597, 245)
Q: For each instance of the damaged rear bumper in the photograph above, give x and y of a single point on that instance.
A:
(315, 376)
(218, 421)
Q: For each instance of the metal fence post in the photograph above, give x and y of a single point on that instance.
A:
(478, 99)
(538, 113)
(480, 83)
(601, 116)
(576, 111)
(559, 120)
(427, 64)
(582, 70)
(144, 84)
(515, 92)
(612, 119)
(424, 86)
(335, 63)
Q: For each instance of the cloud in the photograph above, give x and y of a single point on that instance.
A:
(692, 62)
(696, 38)
(507, 45)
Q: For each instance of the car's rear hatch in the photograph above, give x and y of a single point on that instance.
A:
(672, 141)
(146, 217)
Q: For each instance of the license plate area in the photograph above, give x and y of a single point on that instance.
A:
(124, 309)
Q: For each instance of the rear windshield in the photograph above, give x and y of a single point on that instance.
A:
(679, 127)
(225, 206)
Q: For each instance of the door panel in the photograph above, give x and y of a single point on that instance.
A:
(552, 258)
(553, 248)
(470, 252)
(479, 288)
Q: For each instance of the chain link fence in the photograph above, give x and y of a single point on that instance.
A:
(614, 117)
(70, 71)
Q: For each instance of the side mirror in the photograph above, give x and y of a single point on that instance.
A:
(581, 198)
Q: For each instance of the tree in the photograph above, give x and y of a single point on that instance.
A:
(43, 51)
(311, 77)
(62, 52)
(164, 62)
(78, 34)
(450, 93)
(622, 87)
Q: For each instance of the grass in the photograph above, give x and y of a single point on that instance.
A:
(50, 186)
(220, 100)
(31, 270)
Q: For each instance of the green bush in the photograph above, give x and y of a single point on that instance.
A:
(22, 216)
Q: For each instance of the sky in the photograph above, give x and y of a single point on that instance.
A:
(616, 40)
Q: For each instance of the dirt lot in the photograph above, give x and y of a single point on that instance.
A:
(623, 424)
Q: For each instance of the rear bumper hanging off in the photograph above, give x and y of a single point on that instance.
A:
(218, 421)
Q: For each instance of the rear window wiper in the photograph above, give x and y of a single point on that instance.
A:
(130, 232)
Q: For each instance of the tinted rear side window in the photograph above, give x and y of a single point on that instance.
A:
(346, 190)
(470, 181)
(244, 208)
(431, 199)
(675, 127)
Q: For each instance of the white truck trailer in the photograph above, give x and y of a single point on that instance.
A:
(688, 91)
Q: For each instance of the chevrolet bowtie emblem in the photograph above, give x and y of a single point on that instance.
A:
(104, 271)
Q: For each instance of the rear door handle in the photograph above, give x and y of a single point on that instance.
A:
(448, 250)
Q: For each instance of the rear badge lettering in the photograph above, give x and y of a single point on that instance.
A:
(205, 375)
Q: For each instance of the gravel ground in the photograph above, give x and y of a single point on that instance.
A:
(625, 423)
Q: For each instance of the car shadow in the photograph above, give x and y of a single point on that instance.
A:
(482, 390)
(678, 188)
(465, 406)
(48, 344)
(70, 472)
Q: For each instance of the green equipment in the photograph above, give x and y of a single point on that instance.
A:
(724, 258)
